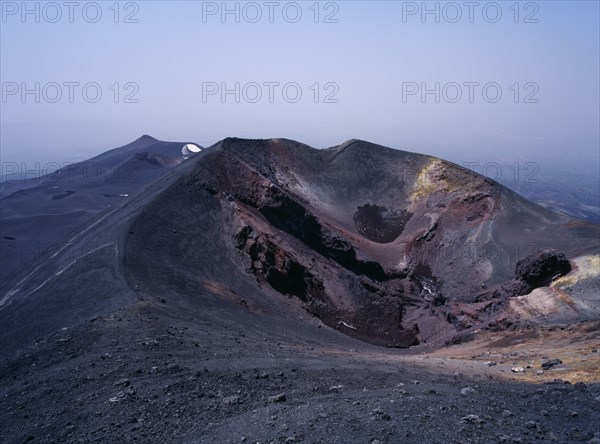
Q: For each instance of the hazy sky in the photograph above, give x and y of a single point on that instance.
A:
(370, 59)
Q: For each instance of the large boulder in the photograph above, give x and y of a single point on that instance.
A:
(542, 267)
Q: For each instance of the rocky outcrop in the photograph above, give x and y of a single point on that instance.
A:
(380, 317)
(536, 270)
(277, 267)
(541, 268)
(288, 215)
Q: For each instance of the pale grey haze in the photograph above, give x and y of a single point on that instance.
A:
(364, 57)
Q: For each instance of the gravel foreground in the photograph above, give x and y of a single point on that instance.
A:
(135, 377)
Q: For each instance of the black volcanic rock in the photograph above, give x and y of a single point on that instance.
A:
(542, 267)
(538, 269)
(551, 363)
(512, 288)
